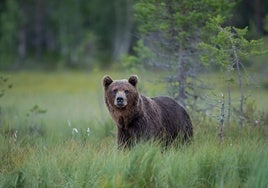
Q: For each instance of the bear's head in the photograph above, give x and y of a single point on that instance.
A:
(121, 94)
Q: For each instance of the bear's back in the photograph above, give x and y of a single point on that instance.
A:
(174, 116)
(168, 104)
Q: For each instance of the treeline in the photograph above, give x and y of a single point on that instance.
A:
(83, 33)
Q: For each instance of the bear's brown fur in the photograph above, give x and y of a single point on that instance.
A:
(141, 118)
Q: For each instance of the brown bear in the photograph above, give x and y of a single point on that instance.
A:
(142, 118)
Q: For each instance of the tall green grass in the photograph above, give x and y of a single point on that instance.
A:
(99, 164)
(43, 150)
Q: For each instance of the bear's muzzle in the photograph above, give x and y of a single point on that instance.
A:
(120, 100)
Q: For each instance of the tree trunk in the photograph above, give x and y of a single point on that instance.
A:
(38, 29)
(182, 77)
(123, 27)
(22, 43)
(229, 110)
(237, 65)
(220, 129)
(258, 19)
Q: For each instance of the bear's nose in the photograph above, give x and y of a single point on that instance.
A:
(120, 100)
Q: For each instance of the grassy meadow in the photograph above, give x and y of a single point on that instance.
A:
(55, 131)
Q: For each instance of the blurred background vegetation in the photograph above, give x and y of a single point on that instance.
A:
(48, 34)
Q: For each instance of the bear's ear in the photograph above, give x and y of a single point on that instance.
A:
(133, 80)
(107, 80)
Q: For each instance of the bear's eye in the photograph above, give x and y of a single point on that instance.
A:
(115, 91)
(126, 92)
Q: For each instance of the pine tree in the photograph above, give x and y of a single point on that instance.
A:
(172, 30)
(228, 47)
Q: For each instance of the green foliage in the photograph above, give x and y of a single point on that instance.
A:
(9, 21)
(172, 30)
(37, 110)
(4, 85)
(57, 34)
(178, 20)
(228, 48)
(35, 125)
(67, 26)
(266, 23)
(138, 61)
(219, 48)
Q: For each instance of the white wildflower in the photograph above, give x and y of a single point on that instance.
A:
(69, 123)
(15, 136)
(88, 131)
(75, 130)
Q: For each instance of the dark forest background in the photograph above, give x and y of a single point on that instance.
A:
(87, 33)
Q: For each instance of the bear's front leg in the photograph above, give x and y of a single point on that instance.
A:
(124, 139)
